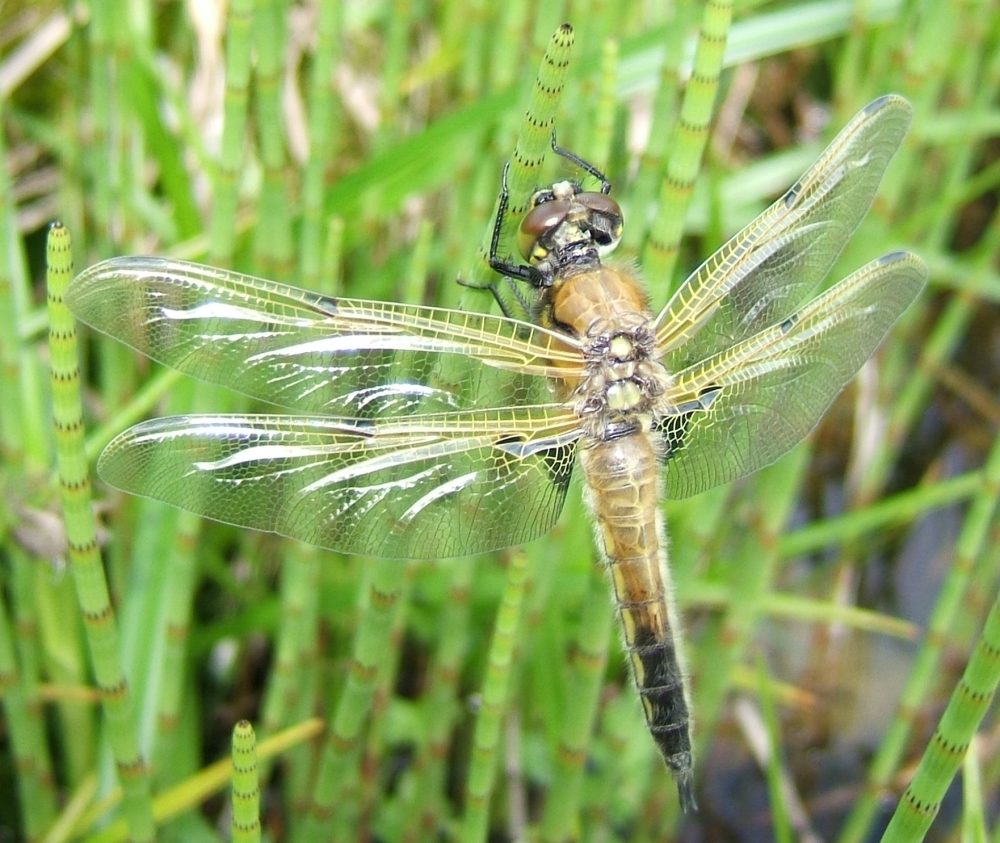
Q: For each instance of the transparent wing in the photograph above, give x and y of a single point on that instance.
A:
(426, 487)
(767, 270)
(308, 352)
(746, 406)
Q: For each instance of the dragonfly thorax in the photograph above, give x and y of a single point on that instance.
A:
(619, 392)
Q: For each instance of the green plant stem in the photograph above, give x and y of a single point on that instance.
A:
(84, 554)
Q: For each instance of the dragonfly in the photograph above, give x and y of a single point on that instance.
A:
(424, 433)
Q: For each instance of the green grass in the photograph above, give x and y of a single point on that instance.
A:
(831, 601)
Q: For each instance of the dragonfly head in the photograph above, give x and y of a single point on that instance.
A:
(567, 225)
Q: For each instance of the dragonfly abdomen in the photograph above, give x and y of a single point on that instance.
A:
(623, 492)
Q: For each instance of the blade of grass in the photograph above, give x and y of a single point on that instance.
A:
(950, 743)
(275, 251)
(530, 151)
(225, 195)
(336, 794)
(245, 825)
(949, 330)
(659, 257)
(441, 708)
(484, 761)
(23, 454)
(590, 655)
(84, 554)
(324, 137)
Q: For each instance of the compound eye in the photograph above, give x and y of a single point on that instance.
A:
(604, 216)
(537, 222)
(600, 203)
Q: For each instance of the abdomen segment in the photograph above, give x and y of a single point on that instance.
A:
(623, 491)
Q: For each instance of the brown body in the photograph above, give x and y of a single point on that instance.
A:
(621, 459)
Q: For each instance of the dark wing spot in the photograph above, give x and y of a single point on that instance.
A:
(327, 304)
(673, 427)
(792, 194)
(789, 323)
(558, 458)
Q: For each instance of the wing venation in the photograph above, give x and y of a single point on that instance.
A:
(773, 265)
(422, 488)
(744, 407)
(315, 354)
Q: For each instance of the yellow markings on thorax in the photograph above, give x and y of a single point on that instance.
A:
(623, 395)
(621, 347)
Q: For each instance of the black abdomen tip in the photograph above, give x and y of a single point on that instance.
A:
(685, 791)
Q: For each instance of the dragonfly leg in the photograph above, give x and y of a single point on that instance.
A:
(582, 163)
(517, 271)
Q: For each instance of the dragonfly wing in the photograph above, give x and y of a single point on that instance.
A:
(744, 407)
(313, 353)
(425, 487)
(770, 267)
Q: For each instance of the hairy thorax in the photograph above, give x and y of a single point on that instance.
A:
(607, 309)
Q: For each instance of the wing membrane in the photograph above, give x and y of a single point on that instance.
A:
(746, 406)
(769, 268)
(414, 489)
(312, 353)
